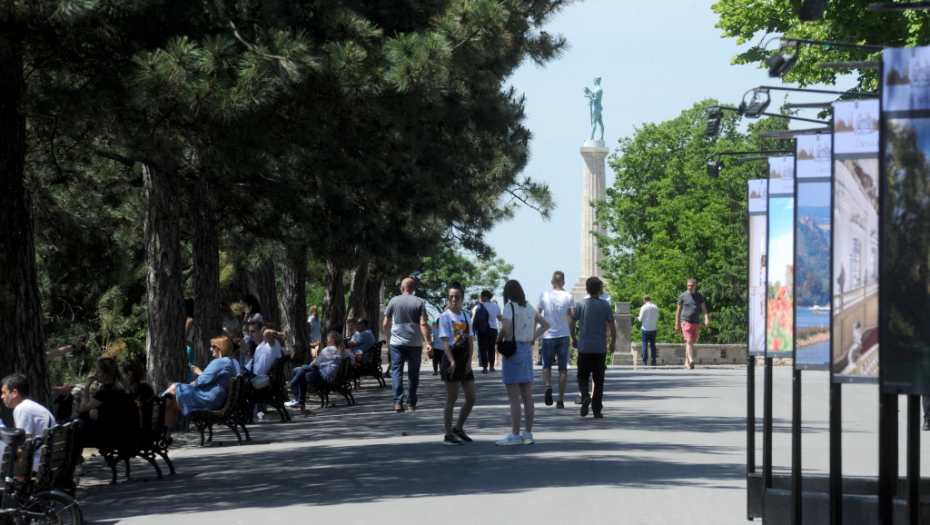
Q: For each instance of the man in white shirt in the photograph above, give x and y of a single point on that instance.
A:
(486, 336)
(265, 353)
(649, 316)
(28, 415)
(557, 307)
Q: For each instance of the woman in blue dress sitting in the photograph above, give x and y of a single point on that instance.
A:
(208, 391)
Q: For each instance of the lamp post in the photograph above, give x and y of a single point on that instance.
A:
(714, 164)
(779, 63)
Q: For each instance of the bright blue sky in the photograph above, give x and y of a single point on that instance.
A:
(781, 238)
(656, 58)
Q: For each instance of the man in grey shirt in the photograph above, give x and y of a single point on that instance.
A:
(410, 328)
(595, 316)
(688, 319)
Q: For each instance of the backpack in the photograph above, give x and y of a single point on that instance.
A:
(481, 323)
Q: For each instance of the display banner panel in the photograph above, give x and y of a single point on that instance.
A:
(813, 172)
(758, 209)
(779, 295)
(905, 240)
(854, 337)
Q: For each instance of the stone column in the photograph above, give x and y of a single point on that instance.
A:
(594, 188)
(623, 320)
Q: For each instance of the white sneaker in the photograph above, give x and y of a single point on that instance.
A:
(527, 438)
(291, 404)
(510, 440)
(261, 416)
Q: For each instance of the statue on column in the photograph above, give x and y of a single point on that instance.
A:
(594, 105)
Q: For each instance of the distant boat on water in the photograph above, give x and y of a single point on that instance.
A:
(822, 310)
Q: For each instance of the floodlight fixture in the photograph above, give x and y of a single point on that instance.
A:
(757, 104)
(811, 10)
(715, 164)
(714, 117)
(896, 6)
(780, 63)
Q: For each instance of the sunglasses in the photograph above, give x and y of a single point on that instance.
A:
(213, 346)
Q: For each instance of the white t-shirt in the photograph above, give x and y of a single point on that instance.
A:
(454, 327)
(606, 297)
(33, 418)
(649, 316)
(525, 323)
(555, 305)
(494, 310)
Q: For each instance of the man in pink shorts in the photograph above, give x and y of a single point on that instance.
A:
(688, 319)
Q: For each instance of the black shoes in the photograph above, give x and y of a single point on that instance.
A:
(450, 441)
(585, 403)
(927, 424)
(578, 400)
(484, 370)
(559, 404)
(459, 434)
(492, 369)
(598, 415)
(548, 396)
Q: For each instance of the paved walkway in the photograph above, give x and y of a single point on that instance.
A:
(671, 449)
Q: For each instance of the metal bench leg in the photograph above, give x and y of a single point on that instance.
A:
(126, 461)
(246, 430)
(164, 456)
(202, 430)
(238, 436)
(210, 439)
(151, 459)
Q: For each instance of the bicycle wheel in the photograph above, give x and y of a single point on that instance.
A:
(56, 509)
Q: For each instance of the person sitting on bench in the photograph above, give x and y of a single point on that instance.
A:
(208, 391)
(323, 368)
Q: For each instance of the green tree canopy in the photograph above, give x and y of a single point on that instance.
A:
(670, 222)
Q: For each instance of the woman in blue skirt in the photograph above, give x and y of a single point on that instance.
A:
(208, 391)
(520, 321)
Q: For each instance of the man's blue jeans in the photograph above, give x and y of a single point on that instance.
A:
(411, 355)
(649, 338)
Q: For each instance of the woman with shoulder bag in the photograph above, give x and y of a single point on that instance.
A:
(518, 329)
(454, 331)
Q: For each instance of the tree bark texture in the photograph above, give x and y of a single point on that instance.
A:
(263, 286)
(294, 304)
(333, 310)
(208, 322)
(374, 300)
(164, 342)
(359, 283)
(22, 337)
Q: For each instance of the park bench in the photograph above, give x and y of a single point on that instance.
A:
(148, 440)
(232, 414)
(58, 458)
(342, 384)
(370, 366)
(275, 394)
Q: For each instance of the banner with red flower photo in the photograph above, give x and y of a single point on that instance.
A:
(779, 315)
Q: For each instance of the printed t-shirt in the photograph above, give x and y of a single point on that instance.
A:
(454, 327)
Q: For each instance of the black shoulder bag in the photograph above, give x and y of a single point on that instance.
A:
(461, 348)
(508, 348)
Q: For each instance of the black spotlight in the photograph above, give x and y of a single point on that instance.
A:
(811, 10)
(713, 167)
(779, 63)
(757, 104)
(714, 116)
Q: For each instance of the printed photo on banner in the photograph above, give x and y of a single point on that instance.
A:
(906, 244)
(780, 277)
(856, 126)
(906, 84)
(758, 201)
(854, 341)
(814, 153)
(781, 175)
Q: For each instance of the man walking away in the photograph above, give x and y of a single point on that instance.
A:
(410, 328)
(649, 316)
(484, 322)
(595, 316)
(557, 306)
(688, 319)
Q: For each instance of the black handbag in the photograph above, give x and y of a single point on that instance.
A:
(509, 348)
(461, 348)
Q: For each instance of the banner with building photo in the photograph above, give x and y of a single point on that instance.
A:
(758, 218)
(779, 310)
(813, 172)
(854, 338)
(905, 242)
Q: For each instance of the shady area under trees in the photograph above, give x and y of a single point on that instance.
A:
(304, 151)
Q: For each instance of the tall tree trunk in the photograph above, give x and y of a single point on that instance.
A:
(164, 341)
(294, 303)
(22, 338)
(374, 300)
(237, 287)
(262, 284)
(356, 301)
(333, 310)
(208, 322)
